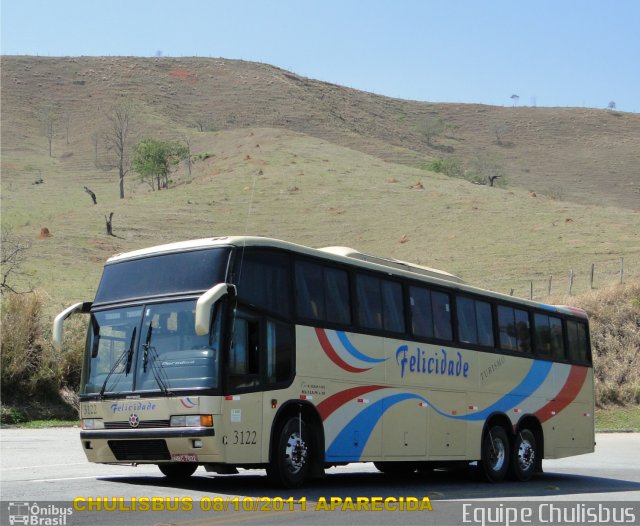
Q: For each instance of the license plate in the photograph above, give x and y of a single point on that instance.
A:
(184, 457)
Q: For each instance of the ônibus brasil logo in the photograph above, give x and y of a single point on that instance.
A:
(38, 515)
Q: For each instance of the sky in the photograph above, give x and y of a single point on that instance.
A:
(579, 53)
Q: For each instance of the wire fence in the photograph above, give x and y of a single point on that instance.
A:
(576, 280)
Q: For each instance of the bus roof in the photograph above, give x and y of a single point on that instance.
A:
(341, 255)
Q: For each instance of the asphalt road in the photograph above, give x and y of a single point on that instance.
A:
(47, 468)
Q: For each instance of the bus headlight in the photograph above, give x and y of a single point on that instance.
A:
(191, 421)
(92, 423)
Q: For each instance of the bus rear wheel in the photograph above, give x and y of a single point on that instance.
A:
(179, 470)
(524, 456)
(291, 455)
(495, 454)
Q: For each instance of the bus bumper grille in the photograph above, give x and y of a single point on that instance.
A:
(140, 450)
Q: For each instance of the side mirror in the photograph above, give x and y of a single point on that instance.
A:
(58, 322)
(204, 303)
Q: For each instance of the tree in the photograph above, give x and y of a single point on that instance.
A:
(205, 122)
(515, 98)
(117, 138)
(486, 169)
(188, 158)
(14, 254)
(612, 105)
(48, 120)
(431, 128)
(154, 161)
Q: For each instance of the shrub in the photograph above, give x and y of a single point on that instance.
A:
(450, 167)
(28, 363)
(614, 315)
(36, 379)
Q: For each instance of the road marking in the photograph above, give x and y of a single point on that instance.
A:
(44, 466)
(230, 520)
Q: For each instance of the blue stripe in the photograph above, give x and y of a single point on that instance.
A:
(355, 352)
(534, 379)
(351, 441)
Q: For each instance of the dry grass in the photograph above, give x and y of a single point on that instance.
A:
(615, 338)
(35, 379)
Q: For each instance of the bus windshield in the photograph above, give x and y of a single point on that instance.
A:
(150, 347)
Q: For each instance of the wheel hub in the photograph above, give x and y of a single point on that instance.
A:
(295, 453)
(498, 454)
(526, 455)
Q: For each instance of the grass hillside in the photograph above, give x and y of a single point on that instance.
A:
(313, 163)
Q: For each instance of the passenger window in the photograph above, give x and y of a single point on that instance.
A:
(513, 326)
(279, 352)
(578, 342)
(369, 302)
(475, 322)
(442, 327)
(261, 352)
(421, 312)
(549, 337)
(263, 281)
(244, 363)
(322, 293)
(380, 304)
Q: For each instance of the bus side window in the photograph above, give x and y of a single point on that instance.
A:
(557, 338)
(578, 343)
(441, 305)
(369, 302)
(244, 363)
(543, 334)
(421, 313)
(279, 352)
(523, 330)
(549, 337)
(514, 329)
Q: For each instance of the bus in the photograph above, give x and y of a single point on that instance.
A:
(248, 352)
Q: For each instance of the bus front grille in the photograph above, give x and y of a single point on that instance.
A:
(144, 424)
(137, 450)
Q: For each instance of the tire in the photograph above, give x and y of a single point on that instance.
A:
(291, 455)
(524, 456)
(495, 454)
(395, 468)
(178, 470)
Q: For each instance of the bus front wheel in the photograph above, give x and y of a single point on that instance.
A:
(495, 454)
(291, 454)
(178, 471)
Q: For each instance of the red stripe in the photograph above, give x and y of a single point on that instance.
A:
(329, 405)
(567, 394)
(333, 355)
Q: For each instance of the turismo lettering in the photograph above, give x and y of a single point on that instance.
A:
(437, 364)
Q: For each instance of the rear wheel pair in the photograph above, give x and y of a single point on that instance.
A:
(501, 457)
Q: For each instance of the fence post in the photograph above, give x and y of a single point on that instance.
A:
(570, 281)
(550, 278)
(593, 268)
(531, 290)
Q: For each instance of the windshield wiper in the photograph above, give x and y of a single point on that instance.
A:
(129, 354)
(149, 349)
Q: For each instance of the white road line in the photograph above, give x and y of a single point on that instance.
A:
(44, 466)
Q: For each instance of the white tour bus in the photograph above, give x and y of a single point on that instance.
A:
(256, 353)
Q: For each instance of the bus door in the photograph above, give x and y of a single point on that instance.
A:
(242, 406)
